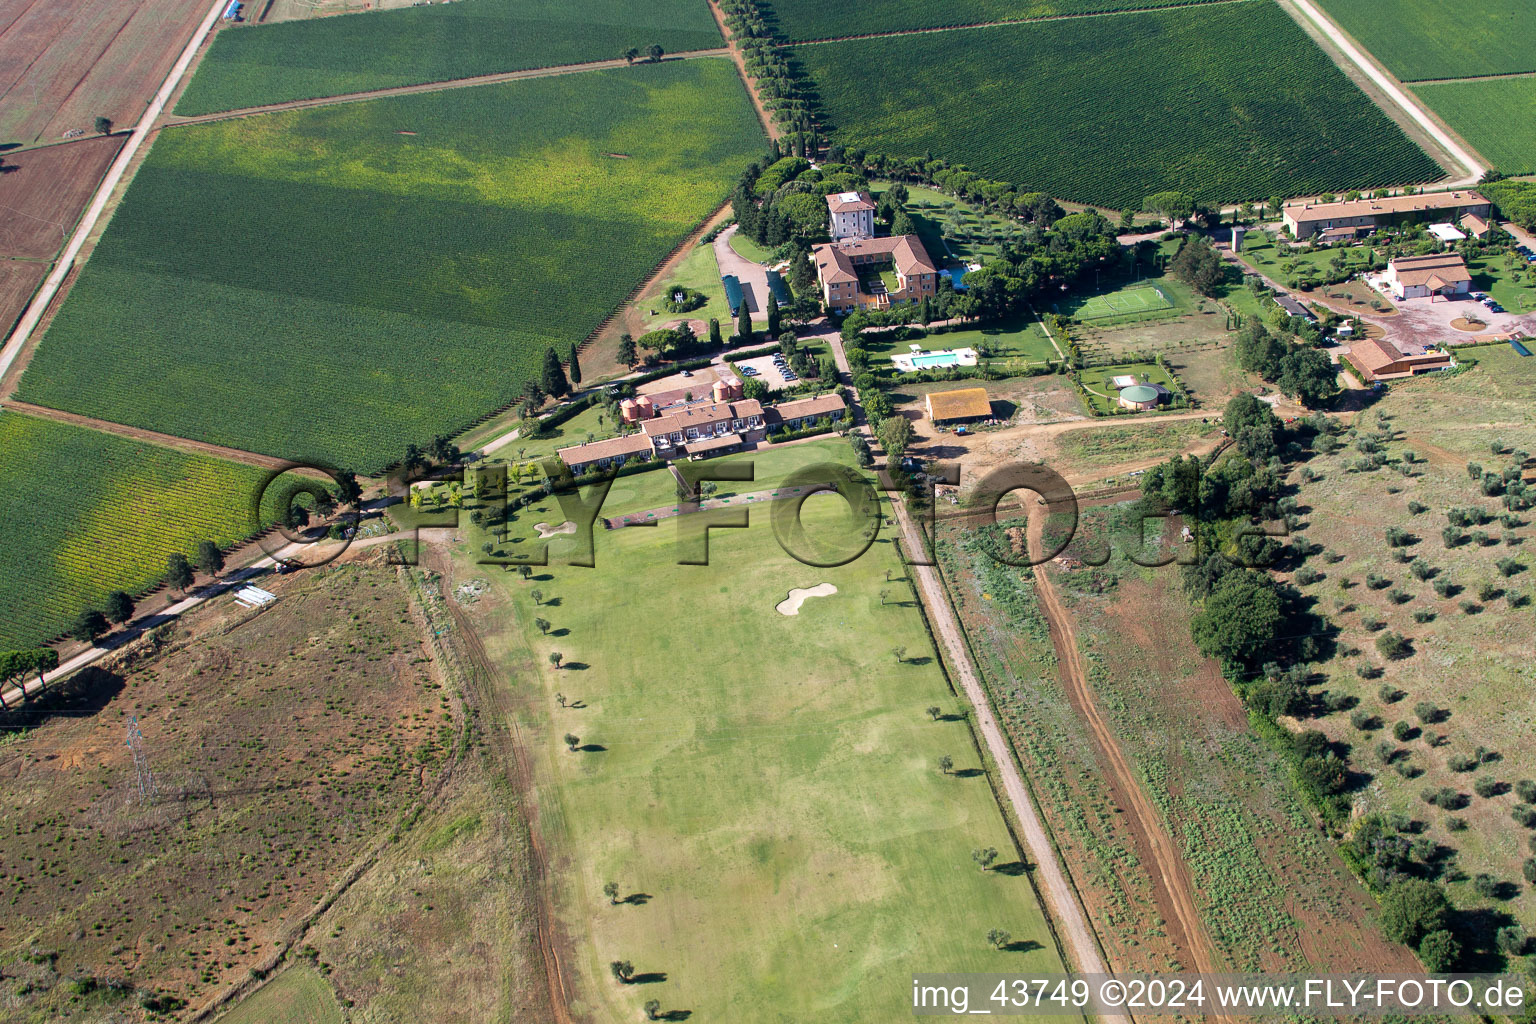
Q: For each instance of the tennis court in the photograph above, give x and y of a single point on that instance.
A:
(1127, 302)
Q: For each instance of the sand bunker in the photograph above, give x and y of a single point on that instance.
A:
(791, 605)
(546, 531)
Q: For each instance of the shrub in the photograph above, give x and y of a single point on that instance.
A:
(1470, 607)
(1528, 869)
(1421, 569)
(1390, 694)
(1486, 786)
(1365, 670)
(1485, 885)
(1393, 645)
(1400, 596)
(1461, 762)
(1426, 712)
(1525, 789)
(1412, 909)
(1511, 940)
(1364, 721)
(1337, 701)
(1524, 814)
(1403, 732)
(1455, 824)
(1439, 951)
(1372, 622)
(1417, 508)
(1376, 581)
(1488, 592)
(1445, 588)
(1424, 615)
(1306, 576)
(1448, 799)
(1407, 769)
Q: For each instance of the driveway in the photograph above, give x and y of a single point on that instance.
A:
(753, 276)
(1421, 323)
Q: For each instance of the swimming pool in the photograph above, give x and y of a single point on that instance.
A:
(928, 359)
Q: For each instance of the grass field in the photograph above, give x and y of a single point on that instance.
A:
(1419, 39)
(252, 65)
(349, 287)
(297, 996)
(1227, 103)
(1514, 288)
(1134, 301)
(1021, 341)
(808, 19)
(1496, 116)
(770, 783)
(86, 513)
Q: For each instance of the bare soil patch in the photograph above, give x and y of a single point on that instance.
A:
(18, 280)
(1466, 323)
(282, 744)
(43, 191)
(68, 62)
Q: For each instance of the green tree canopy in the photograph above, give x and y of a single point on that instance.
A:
(1240, 619)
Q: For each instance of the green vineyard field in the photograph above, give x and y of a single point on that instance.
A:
(1421, 39)
(84, 513)
(249, 66)
(799, 20)
(331, 284)
(1229, 102)
(1496, 115)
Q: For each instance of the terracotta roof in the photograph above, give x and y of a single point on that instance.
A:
(849, 202)
(1473, 223)
(1391, 204)
(821, 405)
(701, 415)
(628, 444)
(1377, 357)
(964, 404)
(834, 260)
(1444, 268)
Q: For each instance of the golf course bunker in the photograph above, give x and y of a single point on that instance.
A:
(791, 605)
(546, 531)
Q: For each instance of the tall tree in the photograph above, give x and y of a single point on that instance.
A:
(575, 365)
(347, 487)
(629, 354)
(1173, 206)
(744, 324)
(119, 607)
(209, 558)
(773, 314)
(178, 572)
(88, 625)
(553, 378)
(895, 433)
(714, 332)
(103, 125)
(1198, 265)
(631, 55)
(654, 52)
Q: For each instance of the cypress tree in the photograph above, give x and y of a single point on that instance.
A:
(714, 332)
(773, 315)
(744, 324)
(575, 366)
(554, 376)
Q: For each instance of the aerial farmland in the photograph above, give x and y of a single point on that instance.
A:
(519, 511)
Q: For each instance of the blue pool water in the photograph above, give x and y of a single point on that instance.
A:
(955, 276)
(928, 359)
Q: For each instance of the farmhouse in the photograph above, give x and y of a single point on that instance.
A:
(1414, 277)
(1307, 219)
(1476, 226)
(959, 406)
(1377, 359)
(857, 273)
(852, 215)
(696, 428)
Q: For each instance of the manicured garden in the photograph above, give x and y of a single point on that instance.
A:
(1228, 102)
(1017, 343)
(734, 764)
(1102, 397)
(86, 513)
(355, 278)
(249, 66)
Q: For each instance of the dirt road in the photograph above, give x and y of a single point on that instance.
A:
(217, 451)
(741, 69)
(172, 121)
(1473, 167)
(1169, 875)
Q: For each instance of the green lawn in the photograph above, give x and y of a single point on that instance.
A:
(769, 782)
(1419, 39)
(1020, 340)
(297, 996)
(1496, 116)
(85, 513)
(1103, 397)
(1226, 102)
(1514, 289)
(750, 250)
(1262, 253)
(700, 271)
(1134, 301)
(322, 285)
(251, 65)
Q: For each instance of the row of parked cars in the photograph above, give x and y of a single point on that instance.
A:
(1489, 301)
(790, 376)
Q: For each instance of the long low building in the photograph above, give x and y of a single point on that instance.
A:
(700, 429)
(1307, 219)
(1377, 359)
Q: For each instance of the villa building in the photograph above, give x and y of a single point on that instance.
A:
(1415, 277)
(874, 273)
(851, 215)
(1305, 219)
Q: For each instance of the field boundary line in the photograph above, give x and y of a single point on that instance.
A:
(175, 121)
(1394, 91)
(1415, 83)
(146, 436)
(44, 296)
(1004, 24)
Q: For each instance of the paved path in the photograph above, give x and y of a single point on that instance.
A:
(54, 280)
(753, 276)
(173, 121)
(1473, 167)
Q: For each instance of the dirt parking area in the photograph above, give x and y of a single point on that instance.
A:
(1424, 323)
